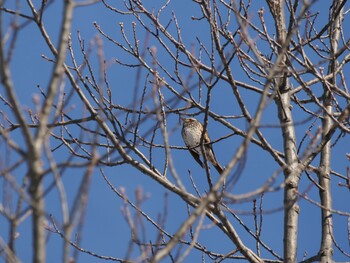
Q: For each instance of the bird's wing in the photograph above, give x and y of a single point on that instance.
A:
(196, 157)
(207, 142)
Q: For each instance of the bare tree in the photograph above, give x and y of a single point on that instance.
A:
(269, 78)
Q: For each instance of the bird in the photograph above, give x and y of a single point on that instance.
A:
(192, 132)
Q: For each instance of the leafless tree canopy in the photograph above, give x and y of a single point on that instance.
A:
(98, 113)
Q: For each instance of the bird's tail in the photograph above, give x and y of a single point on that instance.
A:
(218, 168)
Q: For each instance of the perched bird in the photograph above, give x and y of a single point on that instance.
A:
(192, 132)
